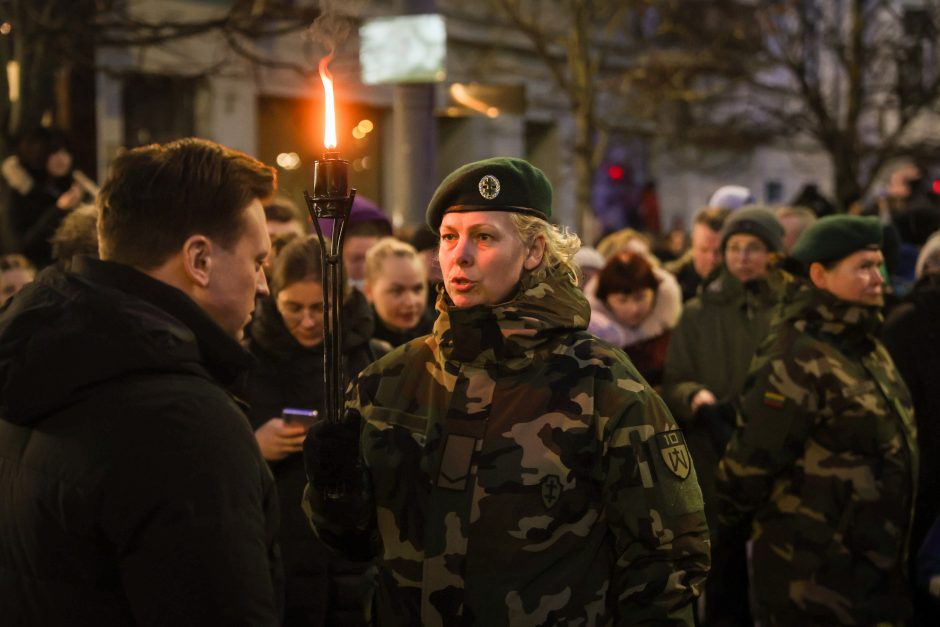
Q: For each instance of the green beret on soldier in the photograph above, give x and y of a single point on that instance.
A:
(512, 468)
(823, 461)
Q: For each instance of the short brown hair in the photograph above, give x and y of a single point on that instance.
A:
(625, 273)
(712, 217)
(300, 260)
(159, 195)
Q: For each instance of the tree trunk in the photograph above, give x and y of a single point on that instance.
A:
(584, 175)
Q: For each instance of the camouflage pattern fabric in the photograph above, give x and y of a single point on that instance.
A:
(518, 471)
(823, 464)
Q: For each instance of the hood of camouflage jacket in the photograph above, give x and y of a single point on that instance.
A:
(818, 313)
(509, 335)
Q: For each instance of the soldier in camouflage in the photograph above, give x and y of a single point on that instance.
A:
(515, 470)
(823, 458)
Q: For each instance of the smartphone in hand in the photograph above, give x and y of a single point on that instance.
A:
(296, 415)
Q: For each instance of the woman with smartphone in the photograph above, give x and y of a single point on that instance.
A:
(285, 392)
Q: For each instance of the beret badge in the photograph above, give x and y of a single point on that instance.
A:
(489, 187)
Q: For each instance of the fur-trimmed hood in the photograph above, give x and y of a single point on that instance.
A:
(667, 307)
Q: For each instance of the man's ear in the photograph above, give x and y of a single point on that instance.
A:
(817, 274)
(197, 259)
(535, 253)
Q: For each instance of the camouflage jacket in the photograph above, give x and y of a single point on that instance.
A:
(823, 464)
(516, 474)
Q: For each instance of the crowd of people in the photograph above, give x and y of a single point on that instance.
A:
(713, 428)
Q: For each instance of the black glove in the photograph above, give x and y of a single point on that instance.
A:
(718, 422)
(331, 453)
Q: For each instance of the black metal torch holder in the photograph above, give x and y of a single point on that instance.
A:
(332, 199)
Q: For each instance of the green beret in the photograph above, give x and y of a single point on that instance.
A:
(497, 184)
(835, 237)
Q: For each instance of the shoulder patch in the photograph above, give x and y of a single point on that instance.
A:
(675, 453)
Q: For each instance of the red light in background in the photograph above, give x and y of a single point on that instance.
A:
(935, 186)
(616, 172)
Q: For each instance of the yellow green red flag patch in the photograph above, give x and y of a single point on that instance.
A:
(774, 399)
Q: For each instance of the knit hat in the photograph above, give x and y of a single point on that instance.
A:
(362, 211)
(754, 220)
(588, 257)
(497, 184)
(731, 197)
(835, 237)
(931, 249)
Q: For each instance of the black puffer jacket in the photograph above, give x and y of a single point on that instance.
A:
(912, 336)
(131, 487)
(321, 588)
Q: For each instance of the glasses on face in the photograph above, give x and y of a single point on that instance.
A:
(751, 250)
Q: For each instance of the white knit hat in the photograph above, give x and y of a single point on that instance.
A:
(930, 248)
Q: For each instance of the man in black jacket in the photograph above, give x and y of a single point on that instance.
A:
(132, 490)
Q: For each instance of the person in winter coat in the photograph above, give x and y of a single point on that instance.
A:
(635, 306)
(704, 254)
(131, 488)
(396, 285)
(43, 189)
(823, 462)
(706, 363)
(510, 468)
(16, 272)
(286, 338)
(912, 336)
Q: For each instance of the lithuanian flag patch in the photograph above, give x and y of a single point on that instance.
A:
(774, 400)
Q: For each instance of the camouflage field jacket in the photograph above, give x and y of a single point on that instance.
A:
(520, 472)
(823, 462)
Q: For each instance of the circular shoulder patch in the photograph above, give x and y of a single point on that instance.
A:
(489, 187)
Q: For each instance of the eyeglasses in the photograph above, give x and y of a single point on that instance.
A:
(751, 250)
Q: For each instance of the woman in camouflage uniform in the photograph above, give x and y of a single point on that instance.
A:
(823, 461)
(514, 470)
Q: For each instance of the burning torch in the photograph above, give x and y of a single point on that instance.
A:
(332, 199)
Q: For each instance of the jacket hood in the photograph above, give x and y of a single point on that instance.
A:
(664, 316)
(818, 313)
(68, 332)
(268, 331)
(508, 335)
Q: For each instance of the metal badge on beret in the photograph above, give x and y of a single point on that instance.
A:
(489, 187)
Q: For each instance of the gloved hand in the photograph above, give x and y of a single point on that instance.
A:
(331, 453)
(718, 420)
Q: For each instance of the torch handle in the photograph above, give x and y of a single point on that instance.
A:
(331, 257)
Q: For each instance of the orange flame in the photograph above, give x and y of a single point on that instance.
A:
(329, 131)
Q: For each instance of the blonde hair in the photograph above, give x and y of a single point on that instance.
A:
(385, 248)
(561, 244)
(624, 239)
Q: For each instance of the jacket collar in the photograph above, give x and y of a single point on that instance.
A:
(819, 313)
(220, 353)
(509, 334)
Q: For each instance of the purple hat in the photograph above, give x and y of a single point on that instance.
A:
(363, 210)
